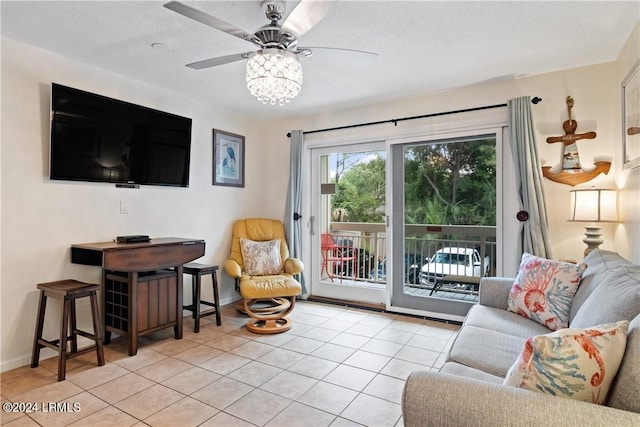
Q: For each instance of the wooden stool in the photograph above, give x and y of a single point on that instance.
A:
(68, 291)
(197, 270)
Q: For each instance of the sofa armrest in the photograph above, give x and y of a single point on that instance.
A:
(437, 399)
(494, 291)
(293, 266)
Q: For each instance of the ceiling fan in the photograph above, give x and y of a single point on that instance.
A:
(274, 74)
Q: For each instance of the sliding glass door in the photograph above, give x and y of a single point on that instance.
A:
(444, 222)
(348, 206)
(412, 223)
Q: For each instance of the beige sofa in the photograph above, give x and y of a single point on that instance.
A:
(468, 389)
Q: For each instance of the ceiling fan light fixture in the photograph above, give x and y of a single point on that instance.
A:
(274, 76)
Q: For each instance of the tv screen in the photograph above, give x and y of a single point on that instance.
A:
(100, 139)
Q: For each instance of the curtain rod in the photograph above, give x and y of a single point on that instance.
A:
(534, 100)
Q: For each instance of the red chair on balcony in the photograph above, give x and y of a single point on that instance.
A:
(336, 258)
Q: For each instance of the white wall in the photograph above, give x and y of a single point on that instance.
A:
(42, 218)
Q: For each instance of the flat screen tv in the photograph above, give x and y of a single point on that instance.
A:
(100, 139)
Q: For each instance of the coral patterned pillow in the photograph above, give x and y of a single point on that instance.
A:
(544, 289)
(261, 258)
(576, 363)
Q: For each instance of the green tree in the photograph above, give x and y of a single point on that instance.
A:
(444, 183)
(453, 183)
(361, 191)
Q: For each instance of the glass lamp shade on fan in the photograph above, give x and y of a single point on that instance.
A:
(274, 76)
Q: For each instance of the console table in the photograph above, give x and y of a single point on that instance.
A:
(141, 284)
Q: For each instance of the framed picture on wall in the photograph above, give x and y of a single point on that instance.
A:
(228, 159)
(631, 118)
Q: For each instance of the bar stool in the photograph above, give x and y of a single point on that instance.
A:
(69, 291)
(197, 270)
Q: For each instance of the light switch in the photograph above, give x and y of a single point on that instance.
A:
(124, 207)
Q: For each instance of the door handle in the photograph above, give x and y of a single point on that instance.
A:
(311, 221)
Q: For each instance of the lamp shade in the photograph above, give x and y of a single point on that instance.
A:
(593, 206)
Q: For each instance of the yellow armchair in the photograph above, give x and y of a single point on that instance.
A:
(267, 297)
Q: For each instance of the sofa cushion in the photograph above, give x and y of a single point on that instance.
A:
(624, 391)
(599, 262)
(543, 290)
(576, 363)
(616, 298)
(486, 350)
(494, 291)
(468, 372)
(503, 321)
(261, 258)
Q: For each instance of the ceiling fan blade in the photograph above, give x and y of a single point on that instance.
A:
(367, 54)
(305, 16)
(219, 60)
(209, 20)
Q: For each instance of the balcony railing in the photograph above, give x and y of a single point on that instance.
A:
(366, 243)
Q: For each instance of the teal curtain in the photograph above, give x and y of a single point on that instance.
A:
(292, 213)
(534, 230)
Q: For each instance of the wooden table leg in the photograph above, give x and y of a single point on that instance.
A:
(196, 278)
(177, 329)
(132, 328)
(216, 296)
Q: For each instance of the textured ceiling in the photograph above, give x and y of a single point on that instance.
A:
(422, 46)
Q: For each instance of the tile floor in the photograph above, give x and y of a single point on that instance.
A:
(337, 366)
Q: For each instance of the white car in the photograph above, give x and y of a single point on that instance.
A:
(454, 261)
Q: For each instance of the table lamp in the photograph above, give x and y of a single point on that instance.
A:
(594, 206)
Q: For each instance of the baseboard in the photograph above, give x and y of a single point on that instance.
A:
(45, 353)
(229, 301)
(348, 303)
(15, 363)
(380, 308)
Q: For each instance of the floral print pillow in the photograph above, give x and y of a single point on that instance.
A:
(543, 290)
(575, 363)
(261, 258)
